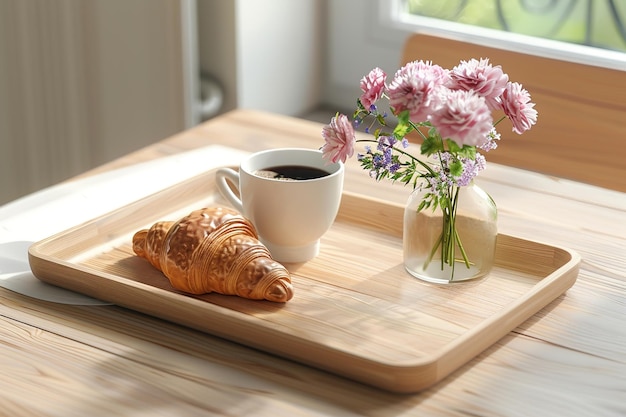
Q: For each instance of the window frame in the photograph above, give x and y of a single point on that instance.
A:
(392, 19)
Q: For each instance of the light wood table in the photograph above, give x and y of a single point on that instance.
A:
(567, 360)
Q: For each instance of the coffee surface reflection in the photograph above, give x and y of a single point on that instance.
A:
(291, 173)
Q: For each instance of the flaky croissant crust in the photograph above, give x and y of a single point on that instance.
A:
(214, 249)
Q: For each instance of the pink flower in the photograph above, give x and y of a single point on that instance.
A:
(373, 87)
(339, 139)
(413, 88)
(515, 102)
(463, 117)
(481, 77)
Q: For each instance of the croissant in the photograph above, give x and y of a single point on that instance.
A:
(214, 250)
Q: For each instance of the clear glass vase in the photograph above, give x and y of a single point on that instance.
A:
(455, 244)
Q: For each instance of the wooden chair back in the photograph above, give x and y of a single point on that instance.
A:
(580, 133)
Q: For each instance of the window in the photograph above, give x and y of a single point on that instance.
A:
(596, 23)
(586, 31)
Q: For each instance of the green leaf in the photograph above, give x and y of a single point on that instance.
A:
(441, 203)
(404, 118)
(453, 147)
(456, 168)
(430, 146)
(401, 130)
(468, 152)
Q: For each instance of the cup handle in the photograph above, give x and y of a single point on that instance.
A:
(223, 176)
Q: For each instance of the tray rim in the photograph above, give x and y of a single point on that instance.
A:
(393, 377)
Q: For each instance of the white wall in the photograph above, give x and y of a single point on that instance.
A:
(217, 50)
(279, 54)
(289, 56)
(359, 39)
(267, 54)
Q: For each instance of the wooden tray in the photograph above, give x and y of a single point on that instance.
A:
(356, 312)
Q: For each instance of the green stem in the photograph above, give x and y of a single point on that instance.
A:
(434, 250)
(457, 238)
(449, 237)
(416, 127)
(499, 120)
(463, 253)
(451, 231)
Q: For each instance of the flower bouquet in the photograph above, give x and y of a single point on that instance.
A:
(452, 111)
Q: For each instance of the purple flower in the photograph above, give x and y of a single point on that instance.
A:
(492, 141)
(385, 142)
(387, 157)
(471, 168)
(378, 161)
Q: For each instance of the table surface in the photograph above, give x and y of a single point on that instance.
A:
(569, 359)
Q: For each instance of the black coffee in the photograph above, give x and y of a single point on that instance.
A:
(292, 172)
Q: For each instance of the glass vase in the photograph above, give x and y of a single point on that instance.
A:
(453, 244)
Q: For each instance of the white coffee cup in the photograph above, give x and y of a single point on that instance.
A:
(290, 215)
